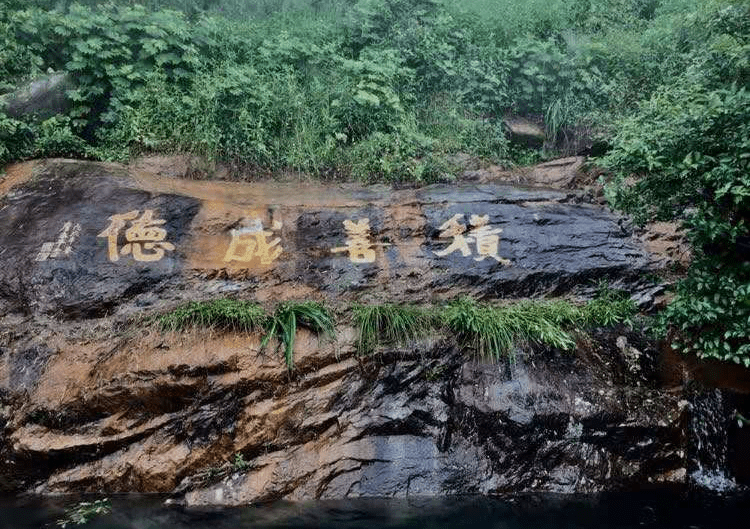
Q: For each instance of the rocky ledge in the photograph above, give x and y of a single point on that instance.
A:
(94, 398)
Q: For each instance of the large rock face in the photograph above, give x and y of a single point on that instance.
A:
(94, 398)
(76, 239)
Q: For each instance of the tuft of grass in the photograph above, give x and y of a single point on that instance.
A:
(390, 323)
(487, 330)
(283, 325)
(237, 315)
(247, 316)
(476, 327)
(492, 332)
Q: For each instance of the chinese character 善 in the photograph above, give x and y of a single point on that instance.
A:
(357, 243)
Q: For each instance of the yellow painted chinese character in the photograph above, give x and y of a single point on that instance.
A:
(144, 233)
(252, 241)
(357, 244)
(64, 245)
(487, 239)
(452, 228)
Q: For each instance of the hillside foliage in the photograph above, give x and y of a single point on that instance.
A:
(391, 90)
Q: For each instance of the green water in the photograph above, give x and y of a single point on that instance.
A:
(613, 511)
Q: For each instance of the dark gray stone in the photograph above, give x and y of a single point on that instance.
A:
(42, 98)
(548, 245)
(27, 365)
(84, 283)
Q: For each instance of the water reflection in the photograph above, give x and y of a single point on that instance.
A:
(613, 511)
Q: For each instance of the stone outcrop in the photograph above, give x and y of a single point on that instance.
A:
(43, 97)
(524, 132)
(94, 398)
(70, 236)
(174, 414)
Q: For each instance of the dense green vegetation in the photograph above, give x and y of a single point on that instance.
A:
(375, 89)
(389, 90)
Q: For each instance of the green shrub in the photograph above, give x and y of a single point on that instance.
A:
(690, 148)
(109, 51)
(54, 137)
(16, 139)
(390, 157)
(18, 62)
(711, 311)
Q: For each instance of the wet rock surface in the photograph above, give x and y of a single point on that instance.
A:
(212, 419)
(84, 239)
(94, 398)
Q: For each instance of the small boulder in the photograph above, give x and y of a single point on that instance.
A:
(44, 97)
(524, 132)
(557, 173)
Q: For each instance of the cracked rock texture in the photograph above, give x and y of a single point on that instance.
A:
(93, 398)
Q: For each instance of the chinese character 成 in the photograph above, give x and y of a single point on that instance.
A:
(252, 241)
(486, 238)
(64, 244)
(357, 243)
(144, 233)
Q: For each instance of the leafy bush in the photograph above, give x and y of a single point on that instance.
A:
(690, 148)
(16, 139)
(110, 51)
(17, 61)
(711, 311)
(55, 137)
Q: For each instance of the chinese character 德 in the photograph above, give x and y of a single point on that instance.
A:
(144, 233)
(64, 244)
(486, 238)
(357, 243)
(252, 241)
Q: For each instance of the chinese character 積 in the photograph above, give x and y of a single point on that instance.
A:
(252, 241)
(486, 238)
(357, 242)
(144, 233)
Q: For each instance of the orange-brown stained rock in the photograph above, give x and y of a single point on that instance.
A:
(119, 406)
(16, 174)
(140, 385)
